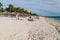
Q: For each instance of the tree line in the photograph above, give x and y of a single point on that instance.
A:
(12, 8)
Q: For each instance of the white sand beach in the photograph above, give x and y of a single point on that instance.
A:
(42, 29)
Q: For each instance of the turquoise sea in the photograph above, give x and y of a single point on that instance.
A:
(57, 18)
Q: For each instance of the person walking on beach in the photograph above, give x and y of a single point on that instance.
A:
(17, 16)
(38, 17)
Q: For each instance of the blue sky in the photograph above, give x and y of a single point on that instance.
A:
(41, 7)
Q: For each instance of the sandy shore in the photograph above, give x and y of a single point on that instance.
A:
(42, 29)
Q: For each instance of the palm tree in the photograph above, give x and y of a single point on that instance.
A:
(11, 7)
(22, 10)
(0, 5)
(6, 9)
(26, 12)
(17, 9)
(2, 10)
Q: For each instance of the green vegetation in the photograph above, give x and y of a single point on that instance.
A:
(12, 8)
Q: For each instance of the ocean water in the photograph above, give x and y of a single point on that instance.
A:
(57, 18)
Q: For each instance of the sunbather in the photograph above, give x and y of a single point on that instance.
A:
(30, 19)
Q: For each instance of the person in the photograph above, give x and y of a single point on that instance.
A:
(17, 16)
(30, 19)
(38, 17)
